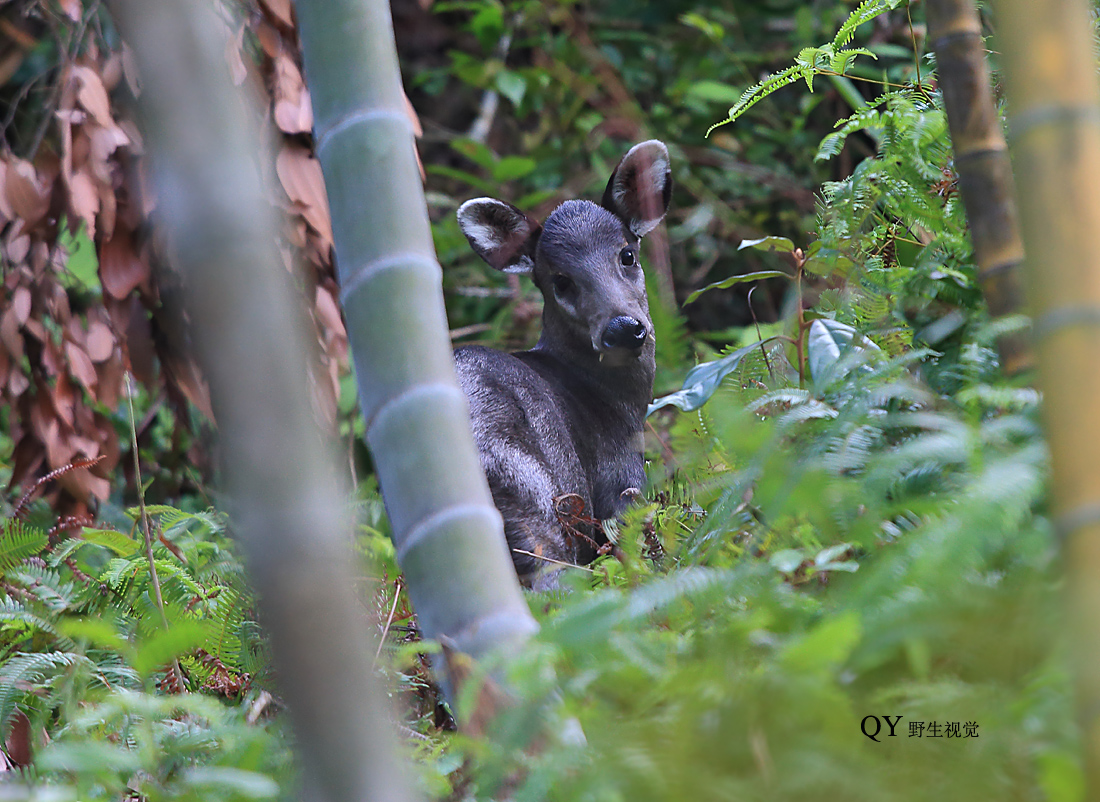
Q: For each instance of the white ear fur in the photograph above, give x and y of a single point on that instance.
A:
(499, 233)
(641, 186)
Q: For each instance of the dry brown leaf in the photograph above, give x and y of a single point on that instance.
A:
(293, 109)
(84, 200)
(18, 247)
(104, 140)
(185, 374)
(92, 95)
(63, 396)
(80, 364)
(108, 209)
(25, 196)
(18, 383)
(81, 483)
(301, 177)
(21, 304)
(110, 375)
(100, 342)
(237, 69)
(9, 334)
(328, 312)
(121, 268)
(5, 207)
(280, 10)
(111, 73)
(129, 69)
(271, 41)
(414, 118)
(36, 329)
(73, 9)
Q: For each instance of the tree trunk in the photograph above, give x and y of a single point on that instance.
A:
(286, 499)
(1055, 109)
(449, 536)
(982, 163)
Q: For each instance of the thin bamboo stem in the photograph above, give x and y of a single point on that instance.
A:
(1054, 130)
(982, 164)
(448, 534)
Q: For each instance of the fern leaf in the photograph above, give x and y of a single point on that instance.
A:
(24, 671)
(864, 12)
(18, 541)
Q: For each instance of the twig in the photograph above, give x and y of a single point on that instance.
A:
(552, 560)
(146, 527)
(386, 629)
(65, 51)
(763, 350)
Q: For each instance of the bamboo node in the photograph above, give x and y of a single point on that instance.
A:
(1057, 319)
(1022, 124)
(1078, 518)
(322, 136)
(353, 280)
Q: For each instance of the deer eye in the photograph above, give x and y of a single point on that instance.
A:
(563, 285)
(627, 258)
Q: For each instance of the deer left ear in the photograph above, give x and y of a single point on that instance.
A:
(639, 190)
(500, 234)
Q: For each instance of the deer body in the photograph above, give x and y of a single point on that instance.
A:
(559, 427)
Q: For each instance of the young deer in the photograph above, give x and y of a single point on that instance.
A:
(559, 427)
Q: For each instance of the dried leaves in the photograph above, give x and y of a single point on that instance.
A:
(66, 341)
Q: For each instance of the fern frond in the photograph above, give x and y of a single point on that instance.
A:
(16, 616)
(864, 12)
(47, 585)
(24, 671)
(18, 541)
(754, 94)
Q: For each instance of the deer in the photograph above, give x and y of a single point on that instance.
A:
(558, 428)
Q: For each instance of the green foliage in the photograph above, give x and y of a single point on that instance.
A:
(833, 58)
(102, 670)
(846, 515)
(847, 519)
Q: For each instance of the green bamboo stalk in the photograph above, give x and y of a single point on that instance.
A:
(287, 501)
(1054, 130)
(982, 163)
(449, 536)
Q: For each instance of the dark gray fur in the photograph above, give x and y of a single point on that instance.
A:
(565, 418)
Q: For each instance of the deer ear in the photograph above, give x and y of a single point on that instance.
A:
(500, 234)
(639, 190)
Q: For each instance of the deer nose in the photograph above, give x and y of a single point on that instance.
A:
(624, 332)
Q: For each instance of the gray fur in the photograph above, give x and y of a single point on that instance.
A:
(565, 418)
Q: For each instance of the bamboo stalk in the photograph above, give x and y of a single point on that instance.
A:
(449, 536)
(1054, 130)
(286, 498)
(982, 163)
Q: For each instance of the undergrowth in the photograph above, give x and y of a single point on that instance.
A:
(846, 521)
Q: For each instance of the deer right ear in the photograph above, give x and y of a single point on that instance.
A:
(500, 234)
(640, 188)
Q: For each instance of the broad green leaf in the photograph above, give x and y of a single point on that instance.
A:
(827, 341)
(512, 85)
(117, 542)
(778, 244)
(251, 784)
(826, 646)
(786, 561)
(702, 382)
(167, 644)
(714, 91)
(96, 631)
(511, 167)
(90, 757)
(729, 282)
